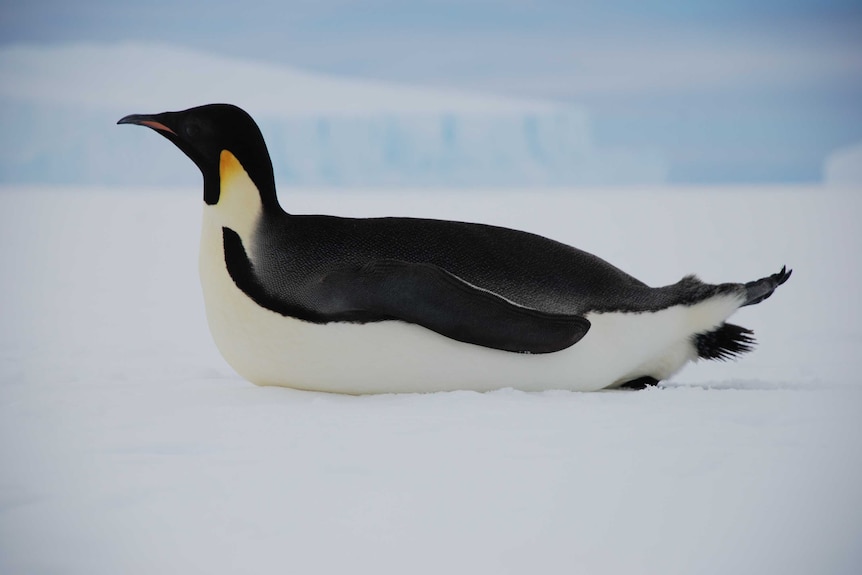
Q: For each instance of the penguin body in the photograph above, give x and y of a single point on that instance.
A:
(385, 305)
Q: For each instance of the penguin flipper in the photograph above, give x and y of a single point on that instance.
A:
(430, 296)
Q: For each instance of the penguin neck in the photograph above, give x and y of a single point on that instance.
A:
(240, 202)
(232, 173)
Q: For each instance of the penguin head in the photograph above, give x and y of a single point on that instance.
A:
(204, 133)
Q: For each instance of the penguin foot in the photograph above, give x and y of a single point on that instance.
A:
(640, 383)
(759, 290)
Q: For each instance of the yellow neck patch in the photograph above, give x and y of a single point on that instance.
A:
(239, 205)
(229, 168)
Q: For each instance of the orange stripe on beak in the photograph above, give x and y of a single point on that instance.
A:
(158, 126)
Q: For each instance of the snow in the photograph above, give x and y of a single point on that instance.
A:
(59, 104)
(129, 446)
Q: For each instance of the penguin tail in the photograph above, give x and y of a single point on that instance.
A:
(726, 342)
(759, 290)
(729, 341)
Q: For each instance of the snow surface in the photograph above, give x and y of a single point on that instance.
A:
(128, 445)
(59, 105)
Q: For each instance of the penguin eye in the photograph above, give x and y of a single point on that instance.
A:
(192, 130)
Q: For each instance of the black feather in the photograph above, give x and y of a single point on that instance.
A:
(726, 342)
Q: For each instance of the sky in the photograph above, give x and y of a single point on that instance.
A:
(729, 91)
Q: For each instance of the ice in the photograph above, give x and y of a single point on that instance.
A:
(844, 167)
(129, 446)
(59, 104)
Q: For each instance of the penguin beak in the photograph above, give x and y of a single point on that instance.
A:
(151, 121)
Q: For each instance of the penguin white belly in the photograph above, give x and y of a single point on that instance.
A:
(268, 348)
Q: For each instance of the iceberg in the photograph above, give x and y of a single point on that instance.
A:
(843, 167)
(60, 104)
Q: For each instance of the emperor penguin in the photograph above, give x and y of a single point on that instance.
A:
(383, 305)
